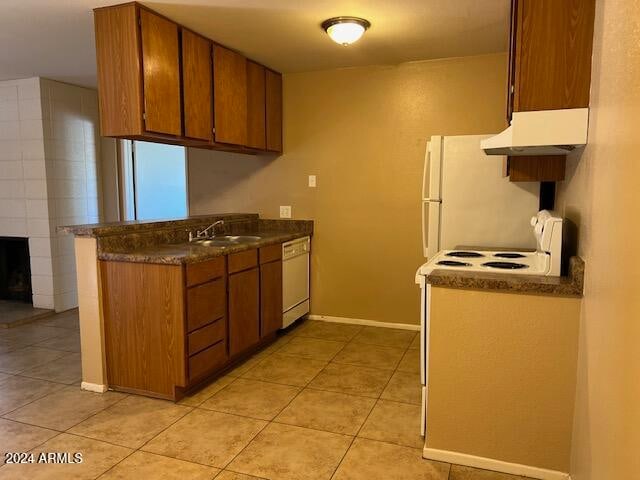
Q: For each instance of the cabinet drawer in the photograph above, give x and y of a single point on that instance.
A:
(243, 260)
(270, 253)
(204, 271)
(206, 303)
(206, 336)
(208, 360)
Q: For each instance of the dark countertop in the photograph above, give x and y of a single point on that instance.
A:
(141, 226)
(176, 254)
(566, 286)
(166, 241)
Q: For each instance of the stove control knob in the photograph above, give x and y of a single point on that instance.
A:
(534, 220)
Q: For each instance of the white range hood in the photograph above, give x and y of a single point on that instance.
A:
(542, 132)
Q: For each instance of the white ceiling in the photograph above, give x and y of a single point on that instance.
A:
(54, 38)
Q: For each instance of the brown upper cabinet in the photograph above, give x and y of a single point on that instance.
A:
(161, 82)
(550, 50)
(256, 108)
(197, 75)
(230, 96)
(550, 54)
(160, 74)
(273, 82)
(119, 76)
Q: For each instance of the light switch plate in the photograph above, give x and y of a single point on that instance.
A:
(285, 211)
(312, 180)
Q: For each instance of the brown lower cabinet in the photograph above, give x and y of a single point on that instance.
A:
(270, 290)
(244, 313)
(168, 328)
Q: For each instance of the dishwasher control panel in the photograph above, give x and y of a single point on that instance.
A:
(296, 247)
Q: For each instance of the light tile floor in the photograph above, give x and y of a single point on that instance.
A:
(18, 313)
(325, 401)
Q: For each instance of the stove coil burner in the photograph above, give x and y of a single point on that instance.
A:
(453, 263)
(508, 255)
(505, 265)
(465, 254)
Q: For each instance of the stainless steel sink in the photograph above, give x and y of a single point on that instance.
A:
(225, 240)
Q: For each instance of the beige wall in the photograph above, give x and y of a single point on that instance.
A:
(94, 375)
(515, 357)
(602, 196)
(363, 132)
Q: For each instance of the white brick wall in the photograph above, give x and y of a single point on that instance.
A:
(48, 163)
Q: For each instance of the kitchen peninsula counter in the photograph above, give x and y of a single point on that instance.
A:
(162, 316)
(166, 242)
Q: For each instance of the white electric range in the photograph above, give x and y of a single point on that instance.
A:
(547, 230)
(545, 261)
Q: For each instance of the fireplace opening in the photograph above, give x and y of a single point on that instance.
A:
(15, 270)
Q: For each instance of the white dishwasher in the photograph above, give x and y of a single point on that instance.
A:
(295, 279)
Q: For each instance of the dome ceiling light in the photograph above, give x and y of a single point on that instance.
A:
(345, 30)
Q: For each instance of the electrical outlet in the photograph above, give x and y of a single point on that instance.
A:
(285, 211)
(312, 180)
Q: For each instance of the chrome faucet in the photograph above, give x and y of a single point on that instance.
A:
(200, 234)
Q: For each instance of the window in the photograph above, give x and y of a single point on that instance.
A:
(154, 181)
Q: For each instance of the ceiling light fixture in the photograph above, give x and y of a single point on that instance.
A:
(345, 30)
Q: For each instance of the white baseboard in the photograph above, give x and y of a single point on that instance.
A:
(484, 463)
(362, 321)
(93, 387)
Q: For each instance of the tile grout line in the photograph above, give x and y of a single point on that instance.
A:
(354, 437)
(365, 420)
(3, 415)
(233, 380)
(67, 430)
(378, 399)
(272, 421)
(137, 449)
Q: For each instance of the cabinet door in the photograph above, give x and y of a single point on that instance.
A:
(511, 67)
(197, 86)
(270, 297)
(119, 76)
(244, 321)
(256, 135)
(273, 82)
(229, 96)
(553, 54)
(161, 74)
(144, 336)
(547, 168)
